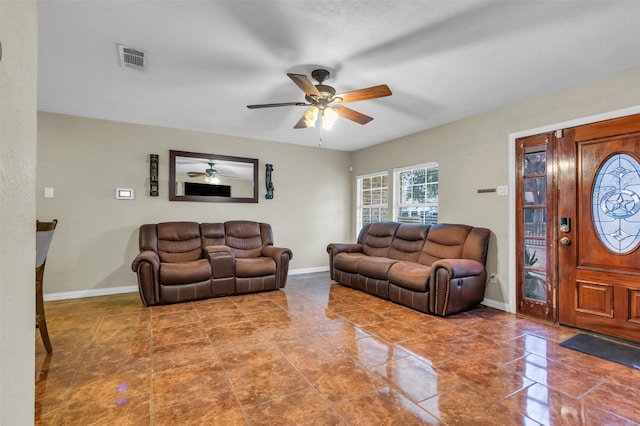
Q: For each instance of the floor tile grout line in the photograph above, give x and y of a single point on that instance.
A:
(551, 336)
(297, 370)
(63, 403)
(226, 375)
(593, 388)
(365, 368)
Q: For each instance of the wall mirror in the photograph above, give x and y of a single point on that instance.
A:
(195, 176)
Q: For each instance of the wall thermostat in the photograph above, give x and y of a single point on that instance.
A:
(124, 194)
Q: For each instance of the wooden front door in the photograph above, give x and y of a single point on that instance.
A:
(599, 227)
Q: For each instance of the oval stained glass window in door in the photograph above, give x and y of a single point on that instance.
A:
(616, 203)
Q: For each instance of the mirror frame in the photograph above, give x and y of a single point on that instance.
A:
(205, 198)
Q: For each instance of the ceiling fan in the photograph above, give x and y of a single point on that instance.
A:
(323, 101)
(210, 174)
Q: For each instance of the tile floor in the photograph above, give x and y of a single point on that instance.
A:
(316, 353)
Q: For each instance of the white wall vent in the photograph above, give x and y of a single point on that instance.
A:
(131, 58)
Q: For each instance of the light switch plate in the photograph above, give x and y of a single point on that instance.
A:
(48, 192)
(124, 194)
(502, 190)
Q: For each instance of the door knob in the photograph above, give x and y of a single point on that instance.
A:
(565, 241)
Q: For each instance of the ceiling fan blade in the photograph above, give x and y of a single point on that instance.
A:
(195, 174)
(300, 124)
(277, 105)
(352, 115)
(363, 94)
(303, 82)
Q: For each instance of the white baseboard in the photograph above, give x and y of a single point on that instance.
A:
(134, 288)
(309, 270)
(90, 293)
(502, 306)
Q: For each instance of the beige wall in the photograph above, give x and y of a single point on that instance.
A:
(18, 34)
(474, 153)
(84, 160)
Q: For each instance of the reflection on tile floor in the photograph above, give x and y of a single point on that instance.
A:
(316, 353)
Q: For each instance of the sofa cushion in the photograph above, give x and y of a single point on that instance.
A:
(410, 275)
(408, 242)
(377, 240)
(347, 262)
(444, 241)
(255, 267)
(476, 245)
(212, 234)
(244, 238)
(185, 272)
(375, 267)
(179, 242)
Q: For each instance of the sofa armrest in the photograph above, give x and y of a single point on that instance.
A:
(146, 256)
(281, 256)
(335, 248)
(146, 265)
(455, 285)
(460, 268)
(277, 252)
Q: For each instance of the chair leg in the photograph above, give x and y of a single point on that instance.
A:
(41, 321)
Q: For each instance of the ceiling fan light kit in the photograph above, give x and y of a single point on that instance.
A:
(323, 102)
(310, 116)
(329, 117)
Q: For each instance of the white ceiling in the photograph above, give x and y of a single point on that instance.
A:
(207, 60)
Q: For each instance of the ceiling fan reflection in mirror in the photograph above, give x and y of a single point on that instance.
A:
(210, 175)
(323, 102)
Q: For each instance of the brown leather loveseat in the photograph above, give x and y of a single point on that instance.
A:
(437, 269)
(180, 261)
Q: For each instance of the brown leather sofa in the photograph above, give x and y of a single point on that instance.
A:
(437, 269)
(180, 261)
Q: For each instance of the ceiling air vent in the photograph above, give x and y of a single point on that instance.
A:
(131, 58)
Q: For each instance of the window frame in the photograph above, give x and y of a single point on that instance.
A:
(359, 191)
(397, 190)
